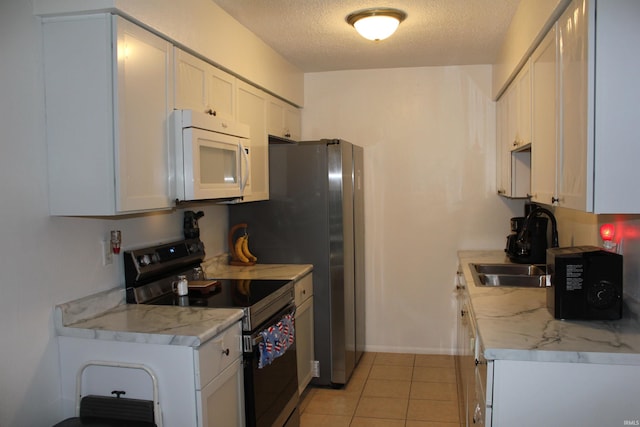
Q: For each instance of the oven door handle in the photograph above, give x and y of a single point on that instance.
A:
(255, 338)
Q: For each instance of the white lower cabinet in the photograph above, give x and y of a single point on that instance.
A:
(217, 399)
(304, 330)
(528, 393)
(534, 394)
(197, 386)
(471, 367)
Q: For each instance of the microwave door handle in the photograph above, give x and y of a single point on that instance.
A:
(245, 176)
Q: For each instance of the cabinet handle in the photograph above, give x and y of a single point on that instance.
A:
(225, 352)
(211, 112)
(463, 313)
(501, 191)
(555, 199)
(287, 135)
(480, 363)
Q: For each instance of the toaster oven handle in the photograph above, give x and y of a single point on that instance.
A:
(245, 175)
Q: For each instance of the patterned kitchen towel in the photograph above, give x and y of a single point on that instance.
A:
(276, 339)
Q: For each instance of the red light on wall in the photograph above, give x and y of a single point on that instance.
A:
(607, 231)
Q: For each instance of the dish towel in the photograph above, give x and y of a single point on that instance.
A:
(276, 339)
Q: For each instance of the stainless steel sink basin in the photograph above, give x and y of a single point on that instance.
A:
(517, 275)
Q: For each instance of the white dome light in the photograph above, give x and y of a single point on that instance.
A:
(376, 24)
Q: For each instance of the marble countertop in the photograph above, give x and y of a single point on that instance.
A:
(219, 270)
(107, 316)
(515, 324)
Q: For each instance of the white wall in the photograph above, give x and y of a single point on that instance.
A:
(47, 260)
(429, 138)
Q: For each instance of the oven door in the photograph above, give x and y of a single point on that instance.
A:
(271, 392)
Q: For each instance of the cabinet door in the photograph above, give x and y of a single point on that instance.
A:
(252, 110)
(275, 117)
(221, 92)
(143, 99)
(523, 107)
(304, 343)
(191, 81)
(202, 87)
(503, 151)
(292, 122)
(574, 167)
(304, 330)
(283, 119)
(544, 121)
(221, 402)
(534, 394)
(108, 90)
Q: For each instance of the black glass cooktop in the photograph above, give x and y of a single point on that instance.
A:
(226, 294)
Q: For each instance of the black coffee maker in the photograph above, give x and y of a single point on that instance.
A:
(191, 228)
(528, 243)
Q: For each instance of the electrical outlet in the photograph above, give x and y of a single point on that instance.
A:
(315, 368)
(107, 256)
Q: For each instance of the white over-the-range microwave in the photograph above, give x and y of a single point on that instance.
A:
(211, 161)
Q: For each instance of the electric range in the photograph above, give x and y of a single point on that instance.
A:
(270, 392)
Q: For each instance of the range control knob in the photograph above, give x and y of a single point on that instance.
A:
(195, 247)
(144, 260)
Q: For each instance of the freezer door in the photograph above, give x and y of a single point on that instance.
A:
(341, 267)
(358, 247)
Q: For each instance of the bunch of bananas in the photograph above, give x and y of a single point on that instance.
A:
(241, 248)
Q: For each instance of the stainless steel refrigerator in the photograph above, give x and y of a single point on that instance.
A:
(315, 215)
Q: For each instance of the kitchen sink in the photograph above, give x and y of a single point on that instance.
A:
(515, 275)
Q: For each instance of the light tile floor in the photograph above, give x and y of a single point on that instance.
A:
(388, 390)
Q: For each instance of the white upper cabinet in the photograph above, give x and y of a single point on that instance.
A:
(519, 114)
(599, 62)
(202, 87)
(108, 87)
(513, 128)
(252, 110)
(503, 169)
(575, 167)
(544, 120)
(283, 119)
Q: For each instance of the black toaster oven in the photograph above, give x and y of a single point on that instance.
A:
(585, 283)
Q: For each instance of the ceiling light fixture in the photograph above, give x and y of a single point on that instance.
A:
(376, 24)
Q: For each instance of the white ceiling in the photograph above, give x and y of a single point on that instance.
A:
(314, 36)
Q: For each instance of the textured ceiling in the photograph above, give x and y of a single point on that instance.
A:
(313, 34)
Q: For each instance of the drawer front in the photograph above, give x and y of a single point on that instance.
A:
(304, 289)
(216, 354)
